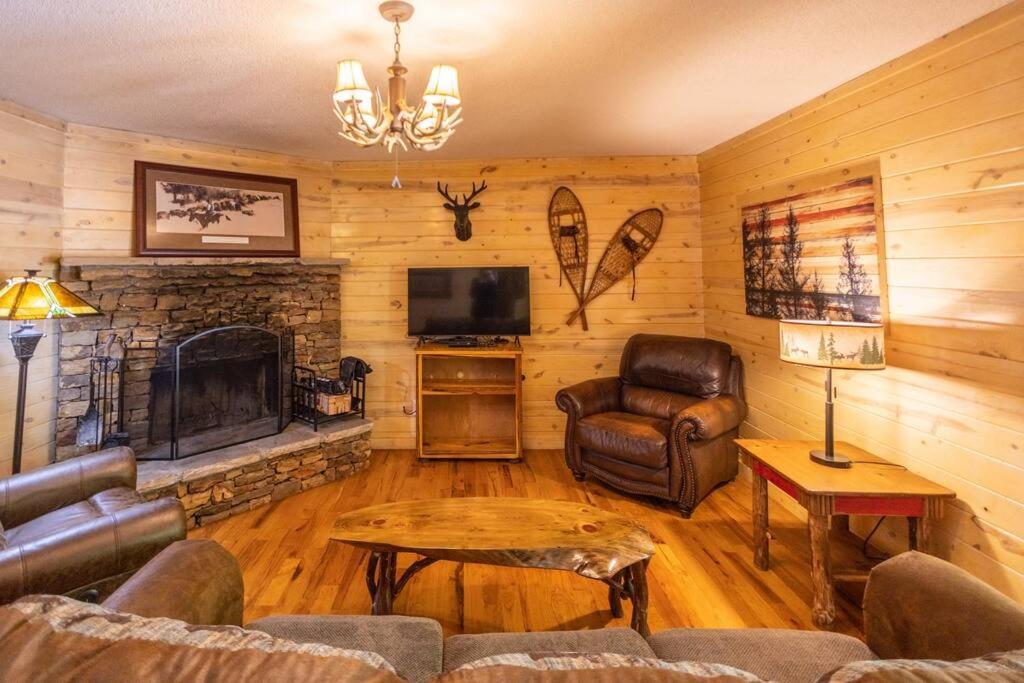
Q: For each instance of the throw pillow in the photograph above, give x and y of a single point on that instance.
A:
(1002, 667)
(571, 667)
(53, 638)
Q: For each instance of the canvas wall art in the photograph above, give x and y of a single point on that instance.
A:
(813, 249)
(182, 211)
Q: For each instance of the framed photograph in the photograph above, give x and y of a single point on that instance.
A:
(183, 211)
(813, 248)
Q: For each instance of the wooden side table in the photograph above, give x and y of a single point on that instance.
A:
(872, 486)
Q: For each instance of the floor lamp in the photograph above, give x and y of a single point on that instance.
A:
(30, 297)
(832, 345)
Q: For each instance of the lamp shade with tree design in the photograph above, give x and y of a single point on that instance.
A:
(832, 345)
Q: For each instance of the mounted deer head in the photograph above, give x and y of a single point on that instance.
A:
(463, 226)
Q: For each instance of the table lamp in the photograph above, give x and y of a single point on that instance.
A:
(30, 297)
(827, 344)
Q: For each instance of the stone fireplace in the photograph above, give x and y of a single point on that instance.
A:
(157, 304)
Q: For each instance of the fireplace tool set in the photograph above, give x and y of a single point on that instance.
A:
(103, 423)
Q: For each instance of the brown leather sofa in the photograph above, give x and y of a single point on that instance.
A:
(665, 426)
(916, 607)
(79, 527)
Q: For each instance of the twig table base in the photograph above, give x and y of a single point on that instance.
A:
(512, 532)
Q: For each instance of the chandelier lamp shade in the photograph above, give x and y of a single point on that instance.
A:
(367, 120)
(832, 345)
(30, 297)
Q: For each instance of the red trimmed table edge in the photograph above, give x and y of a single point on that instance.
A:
(921, 510)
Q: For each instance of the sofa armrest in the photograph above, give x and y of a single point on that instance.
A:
(710, 418)
(920, 607)
(196, 581)
(600, 395)
(24, 497)
(92, 552)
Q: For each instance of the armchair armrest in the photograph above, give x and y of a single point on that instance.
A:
(196, 581)
(600, 395)
(711, 418)
(24, 497)
(920, 607)
(90, 553)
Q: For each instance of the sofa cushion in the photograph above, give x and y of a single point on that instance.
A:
(637, 439)
(783, 655)
(573, 667)
(412, 645)
(1002, 667)
(53, 638)
(462, 649)
(103, 503)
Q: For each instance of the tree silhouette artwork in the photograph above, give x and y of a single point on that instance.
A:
(812, 255)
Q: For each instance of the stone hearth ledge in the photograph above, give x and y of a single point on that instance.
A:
(237, 478)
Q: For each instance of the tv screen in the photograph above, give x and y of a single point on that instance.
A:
(469, 301)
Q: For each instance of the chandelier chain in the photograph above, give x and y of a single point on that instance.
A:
(398, 45)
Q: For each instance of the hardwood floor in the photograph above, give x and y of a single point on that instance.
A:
(702, 575)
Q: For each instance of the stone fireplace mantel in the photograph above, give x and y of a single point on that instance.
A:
(165, 261)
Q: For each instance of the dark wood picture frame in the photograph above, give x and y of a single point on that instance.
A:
(148, 242)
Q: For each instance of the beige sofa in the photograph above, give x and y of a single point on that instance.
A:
(916, 606)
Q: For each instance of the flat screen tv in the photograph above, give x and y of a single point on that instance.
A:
(446, 302)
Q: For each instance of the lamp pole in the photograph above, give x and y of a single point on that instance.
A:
(24, 340)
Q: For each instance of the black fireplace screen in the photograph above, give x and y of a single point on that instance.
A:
(224, 388)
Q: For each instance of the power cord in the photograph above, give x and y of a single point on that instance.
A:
(867, 539)
(880, 464)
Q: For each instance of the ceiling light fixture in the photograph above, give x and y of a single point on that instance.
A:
(366, 121)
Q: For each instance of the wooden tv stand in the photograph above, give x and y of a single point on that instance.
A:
(469, 401)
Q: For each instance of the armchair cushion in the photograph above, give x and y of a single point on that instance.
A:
(635, 439)
(658, 403)
(685, 365)
(23, 497)
(99, 552)
(94, 507)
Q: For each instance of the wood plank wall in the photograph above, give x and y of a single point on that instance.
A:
(385, 231)
(31, 178)
(946, 123)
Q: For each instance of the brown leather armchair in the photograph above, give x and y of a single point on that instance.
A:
(79, 527)
(665, 426)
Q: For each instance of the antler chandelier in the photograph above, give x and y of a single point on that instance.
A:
(366, 121)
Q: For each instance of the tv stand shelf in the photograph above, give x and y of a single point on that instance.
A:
(469, 401)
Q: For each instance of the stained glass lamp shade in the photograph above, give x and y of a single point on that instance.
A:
(30, 297)
(829, 344)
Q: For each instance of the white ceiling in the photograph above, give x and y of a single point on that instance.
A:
(539, 77)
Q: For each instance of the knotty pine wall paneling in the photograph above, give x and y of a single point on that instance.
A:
(946, 125)
(99, 172)
(385, 231)
(31, 178)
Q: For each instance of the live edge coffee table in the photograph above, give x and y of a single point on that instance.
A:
(872, 486)
(509, 532)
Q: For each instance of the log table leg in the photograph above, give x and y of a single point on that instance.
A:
(638, 594)
(824, 609)
(380, 579)
(761, 534)
(616, 589)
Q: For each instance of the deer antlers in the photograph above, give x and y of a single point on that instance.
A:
(465, 200)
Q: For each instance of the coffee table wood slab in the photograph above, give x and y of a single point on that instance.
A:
(510, 532)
